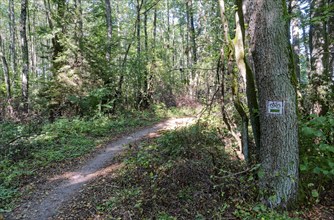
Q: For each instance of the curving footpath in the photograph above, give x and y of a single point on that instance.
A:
(45, 202)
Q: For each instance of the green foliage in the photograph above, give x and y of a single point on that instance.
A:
(168, 172)
(183, 144)
(260, 212)
(165, 216)
(316, 155)
(183, 174)
(27, 148)
(317, 146)
(6, 197)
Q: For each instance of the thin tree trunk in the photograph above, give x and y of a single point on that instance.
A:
(5, 69)
(139, 74)
(306, 45)
(251, 92)
(146, 98)
(12, 32)
(331, 47)
(319, 56)
(154, 28)
(295, 27)
(192, 31)
(239, 52)
(31, 34)
(25, 54)
(58, 48)
(192, 51)
(47, 13)
(243, 141)
(138, 27)
(109, 29)
(79, 5)
(78, 35)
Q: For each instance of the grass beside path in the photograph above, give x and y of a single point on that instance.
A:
(187, 173)
(26, 149)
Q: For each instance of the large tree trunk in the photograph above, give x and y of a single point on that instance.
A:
(274, 77)
(25, 54)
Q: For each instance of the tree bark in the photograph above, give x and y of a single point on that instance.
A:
(146, 96)
(58, 47)
(251, 92)
(192, 51)
(274, 78)
(109, 29)
(32, 40)
(78, 35)
(154, 29)
(25, 54)
(139, 74)
(295, 27)
(319, 56)
(239, 52)
(331, 45)
(234, 50)
(5, 69)
(12, 32)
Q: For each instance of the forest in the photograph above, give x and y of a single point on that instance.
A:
(166, 109)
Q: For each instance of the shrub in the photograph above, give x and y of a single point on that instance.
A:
(316, 155)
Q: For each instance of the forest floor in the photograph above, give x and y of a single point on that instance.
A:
(54, 193)
(176, 169)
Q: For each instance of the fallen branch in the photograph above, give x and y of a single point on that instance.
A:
(257, 166)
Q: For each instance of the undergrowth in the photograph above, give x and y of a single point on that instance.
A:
(317, 160)
(26, 148)
(185, 174)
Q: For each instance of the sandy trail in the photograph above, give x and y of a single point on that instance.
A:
(46, 201)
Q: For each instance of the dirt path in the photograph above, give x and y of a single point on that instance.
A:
(46, 201)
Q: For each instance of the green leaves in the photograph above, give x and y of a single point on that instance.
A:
(311, 132)
(315, 193)
(43, 145)
(316, 155)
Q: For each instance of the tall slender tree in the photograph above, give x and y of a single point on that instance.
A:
(319, 56)
(25, 54)
(192, 50)
(12, 31)
(109, 29)
(5, 69)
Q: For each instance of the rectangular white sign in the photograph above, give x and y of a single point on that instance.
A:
(275, 107)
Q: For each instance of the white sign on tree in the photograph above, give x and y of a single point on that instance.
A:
(275, 107)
